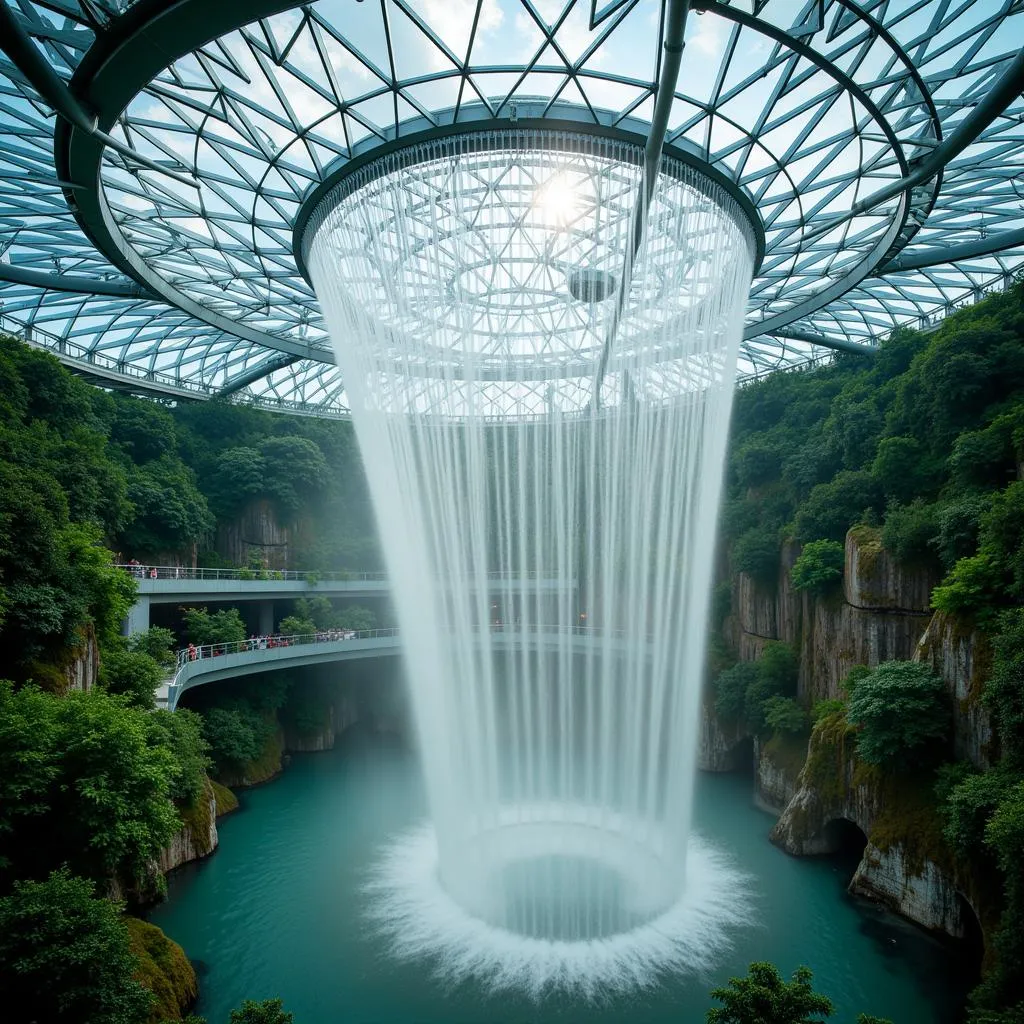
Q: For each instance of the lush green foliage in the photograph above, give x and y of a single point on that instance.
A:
(181, 732)
(902, 711)
(65, 956)
(784, 714)
(743, 690)
(269, 1011)
(134, 674)
(819, 566)
(764, 997)
(84, 781)
(221, 627)
(235, 734)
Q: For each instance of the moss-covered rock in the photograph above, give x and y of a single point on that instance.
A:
(262, 768)
(225, 800)
(164, 970)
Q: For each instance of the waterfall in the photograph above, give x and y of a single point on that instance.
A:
(549, 535)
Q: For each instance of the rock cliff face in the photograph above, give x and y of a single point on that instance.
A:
(878, 615)
(722, 748)
(197, 837)
(905, 863)
(257, 528)
(82, 672)
(777, 769)
(962, 657)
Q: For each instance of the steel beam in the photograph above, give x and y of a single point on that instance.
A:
(255, 373)
(836, 344)
(1007, 88)
(121, 287)
(675, 28)
(937, 255)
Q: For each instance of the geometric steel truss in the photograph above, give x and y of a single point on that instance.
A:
(157, 155)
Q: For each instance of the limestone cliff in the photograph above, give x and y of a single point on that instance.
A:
(962, 657)
(82, 671)
(905, 864)
(777, 766)
(722, 747)
(878, 615)
(257, 529)
(197, 837)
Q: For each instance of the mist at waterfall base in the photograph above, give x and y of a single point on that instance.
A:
(549, 546)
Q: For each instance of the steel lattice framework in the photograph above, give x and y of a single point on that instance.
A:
(158, 159)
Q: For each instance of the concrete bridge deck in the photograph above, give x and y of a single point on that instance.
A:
(214, 662)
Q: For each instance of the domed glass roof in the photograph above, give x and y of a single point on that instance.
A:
(149, 227)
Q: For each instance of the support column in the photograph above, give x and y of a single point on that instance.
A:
(137, 619)
(266, 625)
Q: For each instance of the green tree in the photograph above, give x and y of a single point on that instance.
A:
(235, 734)
(902, 711)
(356, 617)
(731, 690)
(819, 566)
(911, 532)
(181, 732)
(132, 673)
(764, 997)
(95, 785)
(756, 553)
(293, 625)
(269, 1011)
(156, 641)
(832, 508)
(65, 956)
(220, 627)
(784, 714)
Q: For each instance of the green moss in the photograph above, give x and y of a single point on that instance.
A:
(225, 799)
(164, 970)
(828, 754)
(909, 818)
(868, 540)
(196, 817)
(788, 752)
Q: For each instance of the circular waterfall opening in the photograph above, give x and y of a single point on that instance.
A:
(541, 391)
(594, 949)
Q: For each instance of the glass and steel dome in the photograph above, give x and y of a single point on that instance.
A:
(162, 161)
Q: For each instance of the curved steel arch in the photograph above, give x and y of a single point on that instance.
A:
(925, 66)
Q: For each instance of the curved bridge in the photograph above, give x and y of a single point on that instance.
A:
(171, 584)
(211, 663)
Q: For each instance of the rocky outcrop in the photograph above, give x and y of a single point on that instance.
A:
(878, 615)
(961, 656)
(905, 863)
(263, 768)
(164, 969)
(721, 747)
(256, 529)
(197, 837)
(922, 892)
(778, 763)
(83, 670)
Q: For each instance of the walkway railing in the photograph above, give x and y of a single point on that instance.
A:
(183, 572)
(188, 655)
(311, 576)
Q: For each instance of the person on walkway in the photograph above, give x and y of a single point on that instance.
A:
(192, 652)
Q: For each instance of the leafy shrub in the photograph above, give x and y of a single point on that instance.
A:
(901, 709)
(757, 462)
(824, 708)
(969, 589)
(968, 799)
(235, 735)
(731, 690)
(910, 532)
(181, 732)
(959, 523)
(156, 641)
(819, 566)
(221, 627)
(763, 997)
(784, 714)
(756, 553)
(132, 673)
(268, 1011)
(65, 956)
(832, 508)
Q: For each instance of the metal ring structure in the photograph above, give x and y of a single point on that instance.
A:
(805, 110)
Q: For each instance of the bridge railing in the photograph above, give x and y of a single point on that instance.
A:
(183, 572)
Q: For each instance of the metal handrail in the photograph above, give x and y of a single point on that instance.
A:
(181, 572)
